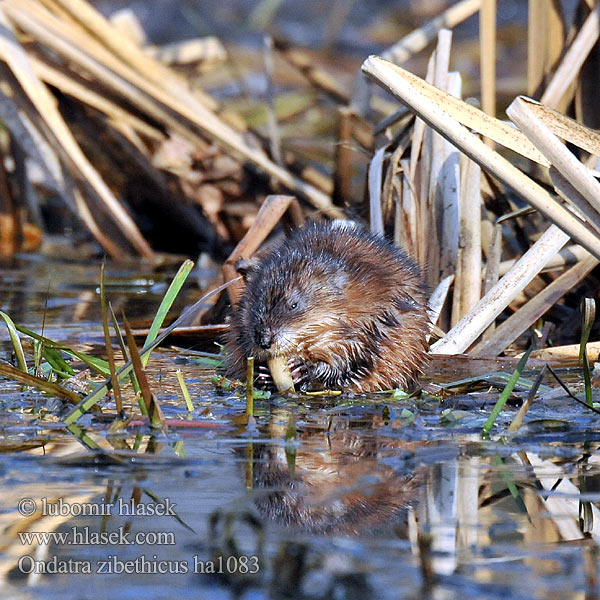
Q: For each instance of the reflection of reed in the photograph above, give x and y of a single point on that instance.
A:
(334, 481)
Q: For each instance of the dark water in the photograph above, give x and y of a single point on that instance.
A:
(368, 496)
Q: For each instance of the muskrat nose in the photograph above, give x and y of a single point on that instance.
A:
(264, 338)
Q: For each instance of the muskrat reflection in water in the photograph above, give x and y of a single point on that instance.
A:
(338, 482)
(345, 308)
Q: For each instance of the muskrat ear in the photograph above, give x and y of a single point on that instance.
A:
(246, 267)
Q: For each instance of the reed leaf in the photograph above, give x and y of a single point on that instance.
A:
(15, 341)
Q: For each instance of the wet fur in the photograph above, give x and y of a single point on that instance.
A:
(345, 307)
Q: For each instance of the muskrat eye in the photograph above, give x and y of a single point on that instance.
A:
(296, 301)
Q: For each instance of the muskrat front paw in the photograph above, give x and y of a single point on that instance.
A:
(298, 369)
(307, 375)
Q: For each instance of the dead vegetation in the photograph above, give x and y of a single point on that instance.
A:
(504, 215)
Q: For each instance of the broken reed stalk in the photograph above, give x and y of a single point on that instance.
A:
(529, 313)
(545, 40)
(412, 91)
(343, 156)
(570, 351)
(441, 200)
(449, 192)
(576, 181)
(271, 211)
(472, 325)
(420, 160)
(407, 212)
(409, 89)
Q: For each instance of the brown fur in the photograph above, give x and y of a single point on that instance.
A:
(345, 307)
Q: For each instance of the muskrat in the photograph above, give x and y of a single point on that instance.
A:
(345, 308)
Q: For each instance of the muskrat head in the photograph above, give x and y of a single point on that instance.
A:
(285, 300)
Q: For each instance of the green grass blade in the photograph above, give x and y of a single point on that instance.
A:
(56, 361)
(10, 372)
(506, 392)
(510, 485)
(588, 315)
(184, 390)
(186, 317)
(15, 341)
(93, 362)
(166, 304)
(108, 344)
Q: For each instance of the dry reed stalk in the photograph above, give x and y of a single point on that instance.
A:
(420, 161)
(85, 214)
(487, 53)
(25, 126)
(571, 63)
(442, 161)
(152, 97)
(467, 286)
(567, 256)
(449, 193)
(570, 351)
(506, 333)
(315, 75)
(492, 268)
(270, 213)
(409, 90)
(199, 50)
(391, 191)
(72, 86)
(438, 298)
(545, 39)
(575, 181)
(407, 214)
(45, 104)
(343, 157)
(393, 118)
(129, 52)
(375, 184)
(469, 116)
(472, 325)
(565, 128)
